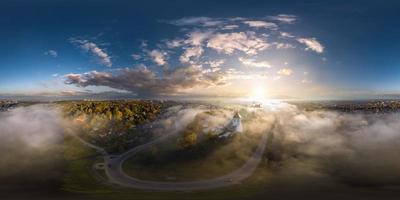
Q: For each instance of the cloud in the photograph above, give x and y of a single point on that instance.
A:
(229, 42)
(230, 27)
(304, 81)
(143, 44)
(285, 72)
(158, 57)
(284, 18)
(286, 34)
(52, 53)
(261, 24)
(136, 56)
(312, 44)
(253, 63)
(196, 38)
(206, 47)
(280, 45)
(174, 43)
(196, 21)
(191, 52)
(192, 46)
(215, 63)
(145, 82)
(95, 50)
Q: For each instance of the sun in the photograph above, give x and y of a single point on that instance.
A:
(258, 94)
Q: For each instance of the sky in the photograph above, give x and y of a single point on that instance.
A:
(150, 49)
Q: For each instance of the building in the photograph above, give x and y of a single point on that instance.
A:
(234, 127)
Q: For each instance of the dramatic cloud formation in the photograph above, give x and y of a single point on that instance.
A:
(145, 82)
(229, 42)
(206, 54)
(93, 48)
(312, 44)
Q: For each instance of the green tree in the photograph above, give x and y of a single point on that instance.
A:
(189, 140)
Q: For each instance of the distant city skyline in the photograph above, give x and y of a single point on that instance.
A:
(203, 49)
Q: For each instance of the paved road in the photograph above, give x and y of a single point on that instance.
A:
(115, 173)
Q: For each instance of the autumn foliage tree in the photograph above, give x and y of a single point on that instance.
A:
(108, 121)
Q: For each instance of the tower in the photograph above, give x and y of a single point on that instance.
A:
(236, 124)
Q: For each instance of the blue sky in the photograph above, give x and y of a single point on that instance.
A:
(302, 49)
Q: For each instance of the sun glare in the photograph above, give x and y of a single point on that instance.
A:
(258, 94)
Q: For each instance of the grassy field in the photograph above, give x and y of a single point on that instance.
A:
(79, 173)
(82, 180)
(165, 162)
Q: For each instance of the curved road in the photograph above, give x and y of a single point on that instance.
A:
(115, 173)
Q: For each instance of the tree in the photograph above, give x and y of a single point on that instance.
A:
(211, 135)
(128, 112)
(189, 140)
(118, 115)
(109, 115)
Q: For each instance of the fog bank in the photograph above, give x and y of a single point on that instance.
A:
(352, 149)
(29, 144)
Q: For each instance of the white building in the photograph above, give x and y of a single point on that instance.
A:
(234, 126)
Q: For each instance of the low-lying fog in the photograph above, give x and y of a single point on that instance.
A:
(30, 149)
(354, 149)
(351, 149)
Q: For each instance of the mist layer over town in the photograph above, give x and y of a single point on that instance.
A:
(324, 147)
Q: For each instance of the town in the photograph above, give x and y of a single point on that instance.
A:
(6, 105)
(372, 106)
